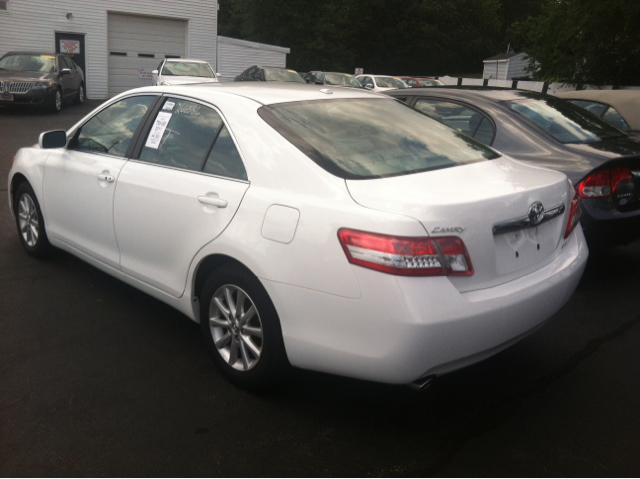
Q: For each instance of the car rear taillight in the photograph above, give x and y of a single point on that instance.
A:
(407, 256)
(603, 183)
(574, 211)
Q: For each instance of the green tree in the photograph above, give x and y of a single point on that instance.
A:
(418, 37)
(584, 41)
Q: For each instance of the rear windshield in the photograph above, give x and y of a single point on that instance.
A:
(386, 82)
(187, 69)
(341, 79)
(567, 123)
(31, 63)
(372, 138)
(277, 74)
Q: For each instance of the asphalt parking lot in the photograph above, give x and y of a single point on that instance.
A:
(99, 379)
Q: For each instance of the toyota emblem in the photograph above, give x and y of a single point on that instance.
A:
(536, 213)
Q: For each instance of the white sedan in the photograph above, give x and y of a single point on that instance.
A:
(380, 83)
(328, 229)
(178, 71)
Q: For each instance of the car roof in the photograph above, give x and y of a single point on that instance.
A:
(470, 93)
(190, 60)
(266, 93)
(36, 53)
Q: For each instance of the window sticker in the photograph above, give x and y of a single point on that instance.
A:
(169, 105)
(157, 130)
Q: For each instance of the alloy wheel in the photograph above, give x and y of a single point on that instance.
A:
(236, 327)
(58, 100)
(28, 220)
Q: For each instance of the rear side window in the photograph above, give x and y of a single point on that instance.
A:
(371, 138)
(567, 123)
(193, 137)
(612, 116)
(461, 118)
(111, 130)
(593, 106)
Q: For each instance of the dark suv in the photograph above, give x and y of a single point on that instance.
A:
(40, 79)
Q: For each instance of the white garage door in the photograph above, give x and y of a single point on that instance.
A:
(137, 45)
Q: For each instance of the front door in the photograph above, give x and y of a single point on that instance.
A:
(72, 45)
(80, 180)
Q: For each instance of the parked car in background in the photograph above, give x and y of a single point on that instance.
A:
(602, 161)
(258, 73)
(332, 78)
(621, 108)
(415, 82)
(40, 79)
(381, 82)
(335, 230)
(430, 82)
(179, 71)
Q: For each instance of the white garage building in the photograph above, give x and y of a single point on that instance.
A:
(118, 43)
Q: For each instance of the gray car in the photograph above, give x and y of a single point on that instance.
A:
(40, 79)
(602, 161)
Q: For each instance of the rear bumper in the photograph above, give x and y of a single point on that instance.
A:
(402, 329)
(604, 226)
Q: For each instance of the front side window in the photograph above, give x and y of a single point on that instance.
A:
(371, 138)
(567, 123)
(411, 82)
(29, 63)
(461, 118)
(280, 74)
(183, 135)
(111, 130)
(191, 69)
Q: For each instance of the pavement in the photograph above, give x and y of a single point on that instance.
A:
(99, 379)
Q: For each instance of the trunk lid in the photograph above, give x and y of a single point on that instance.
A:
(472, 201)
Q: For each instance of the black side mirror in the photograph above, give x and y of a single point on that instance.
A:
(53, 139)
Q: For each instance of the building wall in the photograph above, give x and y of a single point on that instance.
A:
(517, 66)
(32, 24)
(235, 56)
(498, 72)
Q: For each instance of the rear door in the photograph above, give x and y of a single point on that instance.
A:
(179, 194)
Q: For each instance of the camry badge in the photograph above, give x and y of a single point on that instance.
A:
(451, 229)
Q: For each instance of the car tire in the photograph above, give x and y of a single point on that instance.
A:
(30, 222)
(80, 97)
(241, 329)
(56, 101)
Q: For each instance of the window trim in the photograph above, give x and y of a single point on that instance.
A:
(148, 123)
(461, 103)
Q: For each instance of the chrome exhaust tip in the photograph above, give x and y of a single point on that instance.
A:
(422, 383)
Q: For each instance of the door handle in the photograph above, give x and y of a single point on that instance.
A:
(207, 200)
(103, 177)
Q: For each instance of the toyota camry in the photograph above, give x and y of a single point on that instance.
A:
(336, 230)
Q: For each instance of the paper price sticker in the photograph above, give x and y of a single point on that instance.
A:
(157, 130)
(169, 105)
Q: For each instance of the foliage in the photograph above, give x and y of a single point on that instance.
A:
(584, 41)
(418, 37)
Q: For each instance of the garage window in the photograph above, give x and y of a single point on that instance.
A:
(4, 6)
